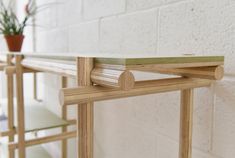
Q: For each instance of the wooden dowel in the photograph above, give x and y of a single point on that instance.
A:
(213, 73)
(186, 123)
(44, 140)
(20, 107)
(80, 95)
(113, 78)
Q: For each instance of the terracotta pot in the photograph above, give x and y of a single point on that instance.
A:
(14, 42)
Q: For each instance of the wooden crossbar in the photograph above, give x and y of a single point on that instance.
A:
(12, 70)
(44, 140)
(85, 94)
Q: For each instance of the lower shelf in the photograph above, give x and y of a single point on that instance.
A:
(37, 117)
(31, 152)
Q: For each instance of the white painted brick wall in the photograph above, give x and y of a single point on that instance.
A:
(130, 33)
(102, 8)
(147, 126)
(84, 37)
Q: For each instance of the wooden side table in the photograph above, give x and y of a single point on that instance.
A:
(113, 79)
(100, 77)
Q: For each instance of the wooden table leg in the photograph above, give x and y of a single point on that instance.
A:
(186, 122)
(35, 92)
(20, 107)
(64, 128)
(85, 111)
(10, 105)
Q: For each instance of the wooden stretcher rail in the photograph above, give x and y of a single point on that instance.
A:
(60, 67)
(86, 94)
(12, 70)
(7, 133)
(44, 140)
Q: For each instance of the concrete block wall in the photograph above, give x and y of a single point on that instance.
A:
(147, 126)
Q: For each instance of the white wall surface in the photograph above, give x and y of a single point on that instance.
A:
(147, 126)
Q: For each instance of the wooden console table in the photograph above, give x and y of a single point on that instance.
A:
(101, 77)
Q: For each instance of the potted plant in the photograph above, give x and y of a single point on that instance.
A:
(11, 27)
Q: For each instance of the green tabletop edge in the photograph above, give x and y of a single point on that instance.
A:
(159, 60)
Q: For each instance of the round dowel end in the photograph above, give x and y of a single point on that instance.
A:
(219, 72)
(126, 80)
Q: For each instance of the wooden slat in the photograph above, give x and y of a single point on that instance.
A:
(80, 95)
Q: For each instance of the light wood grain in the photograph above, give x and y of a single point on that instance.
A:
(63, 68)
(10, 105)
(7, 133)
(186, 123)
(2, 66)
(213, 73)
(64, 83)
(113, 78)
(20, 106)
(44, 140)
(85, 94)
(85, 111)
(12, 70)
